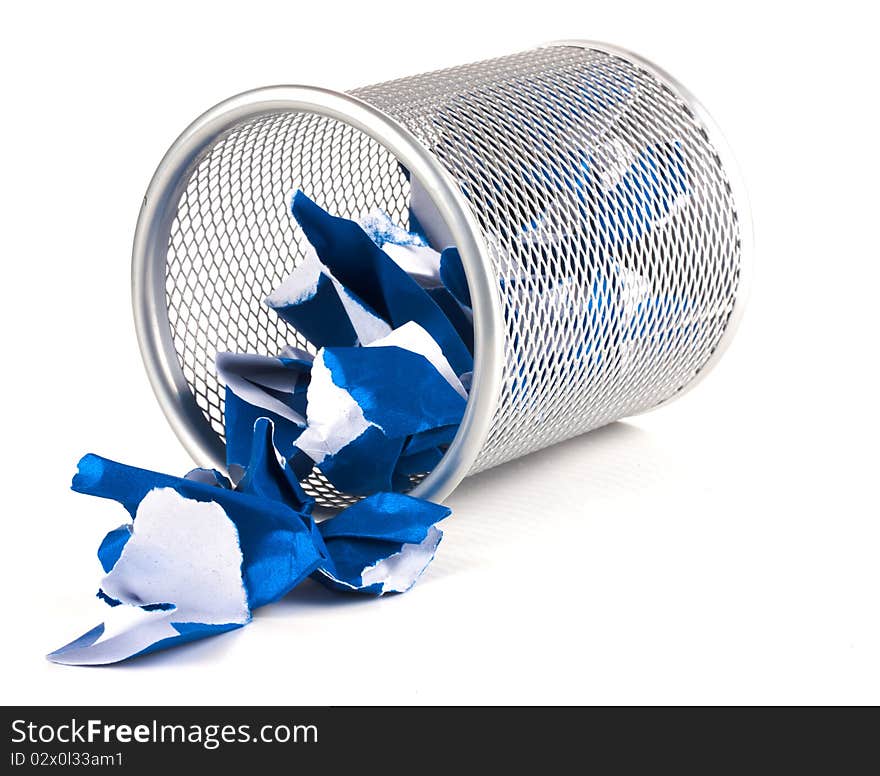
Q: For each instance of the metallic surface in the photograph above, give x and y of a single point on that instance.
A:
(522, 156)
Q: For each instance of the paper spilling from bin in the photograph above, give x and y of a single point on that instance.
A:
(378, 403)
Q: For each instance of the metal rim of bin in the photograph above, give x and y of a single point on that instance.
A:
(151, 244)
(160, 206)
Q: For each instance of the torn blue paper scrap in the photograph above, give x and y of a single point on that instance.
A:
(381, 544)
(183, 569)
(415, 339)
(267, 565)
(269, 476)
(381, 229)
(408, 250)
(363, 403)
(363, 465)
(183, 561)
(364, 269)
(263, 387)
(453, 277)
(320, 308)
(275, 541)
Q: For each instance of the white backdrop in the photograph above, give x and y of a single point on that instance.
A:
(721, 550)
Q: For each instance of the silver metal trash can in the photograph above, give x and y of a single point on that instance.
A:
(603, 232)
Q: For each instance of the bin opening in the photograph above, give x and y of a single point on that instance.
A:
(244, 280)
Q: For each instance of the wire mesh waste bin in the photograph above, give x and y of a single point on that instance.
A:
(603, 234)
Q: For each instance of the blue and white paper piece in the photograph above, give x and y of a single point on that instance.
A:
(185, 568)
(360, 449)
(363, 404)
(270, 476)
(440, 273)
(345, 292)
(408, 250)
(263, 387)
(453, 278)
(175, 561)
(415, 339)
(207, 477)
(366, 271)
(181, 571)
(272, 534)
(381, 544)
(324, 311)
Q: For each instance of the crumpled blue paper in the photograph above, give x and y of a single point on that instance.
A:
(324, 311)
(440, 273)
(381, 544)
(409, 250)
(453, 277)
(374, 271)
(263, 387)
(363, 418)
(179, 571)
(199, 556)
(382, 230)
(270, 476)
(276, 548)
(365, 405)
(370, 274)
